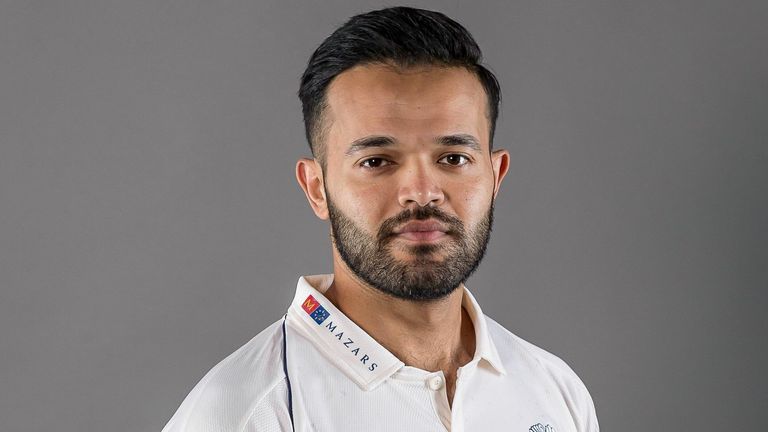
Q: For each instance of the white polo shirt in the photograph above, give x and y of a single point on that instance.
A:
(316, 370)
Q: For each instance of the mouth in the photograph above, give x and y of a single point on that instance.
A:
(422, 231)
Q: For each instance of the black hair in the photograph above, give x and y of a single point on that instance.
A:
(401, 36)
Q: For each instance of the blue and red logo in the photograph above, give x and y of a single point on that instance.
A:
(314, 310)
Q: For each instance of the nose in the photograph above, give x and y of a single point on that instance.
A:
(419, 186)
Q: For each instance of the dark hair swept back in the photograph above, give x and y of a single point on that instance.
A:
(401, 36)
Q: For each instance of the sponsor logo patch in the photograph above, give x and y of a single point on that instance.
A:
(312, 307)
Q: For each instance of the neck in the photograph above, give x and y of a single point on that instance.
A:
(429, 335)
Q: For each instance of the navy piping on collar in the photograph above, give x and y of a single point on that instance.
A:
(287, 379)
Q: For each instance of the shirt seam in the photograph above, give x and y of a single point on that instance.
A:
(252, 411)
(203, 383)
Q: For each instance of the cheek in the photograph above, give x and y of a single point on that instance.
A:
(367, 204)
(472, 198)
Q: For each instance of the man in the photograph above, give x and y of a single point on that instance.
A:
(400, 118)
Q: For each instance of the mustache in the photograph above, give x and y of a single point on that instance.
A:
(455, 226)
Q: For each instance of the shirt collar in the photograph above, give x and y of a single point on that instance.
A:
(353, 350)
(485, 349)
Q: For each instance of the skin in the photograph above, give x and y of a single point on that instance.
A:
(414, 107)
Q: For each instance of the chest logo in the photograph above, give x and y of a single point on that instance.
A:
(538, 427)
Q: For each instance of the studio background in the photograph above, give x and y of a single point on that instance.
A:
(150, 223)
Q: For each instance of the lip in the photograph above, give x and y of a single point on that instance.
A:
(422, 231)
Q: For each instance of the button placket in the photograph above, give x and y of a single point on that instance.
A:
(439, 395)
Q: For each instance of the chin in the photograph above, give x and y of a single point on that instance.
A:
(420, 259)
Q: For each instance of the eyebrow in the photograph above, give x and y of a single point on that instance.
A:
(368, 142)
(460, 140)
(379, 141)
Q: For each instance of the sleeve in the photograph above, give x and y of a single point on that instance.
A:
(574, 392)
(578, 400)
(584, 409)
(187, 418)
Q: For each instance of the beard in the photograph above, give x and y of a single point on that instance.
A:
(433, 272)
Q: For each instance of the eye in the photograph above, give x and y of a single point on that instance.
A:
(454, 160)
(374, 162)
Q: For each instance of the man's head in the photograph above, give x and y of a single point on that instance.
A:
(406, 173)
(400, 36)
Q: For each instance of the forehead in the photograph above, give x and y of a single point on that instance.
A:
(409, 104)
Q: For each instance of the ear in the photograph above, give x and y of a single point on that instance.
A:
(500, 162)
(309, 174)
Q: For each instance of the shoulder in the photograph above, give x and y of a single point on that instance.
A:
(233, 391)
(544, 365)
(509, 344)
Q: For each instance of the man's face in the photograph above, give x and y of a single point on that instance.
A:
(410, 180)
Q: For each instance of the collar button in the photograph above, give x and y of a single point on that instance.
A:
(435, 383)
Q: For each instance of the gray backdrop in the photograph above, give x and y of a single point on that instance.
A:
(151, 224)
